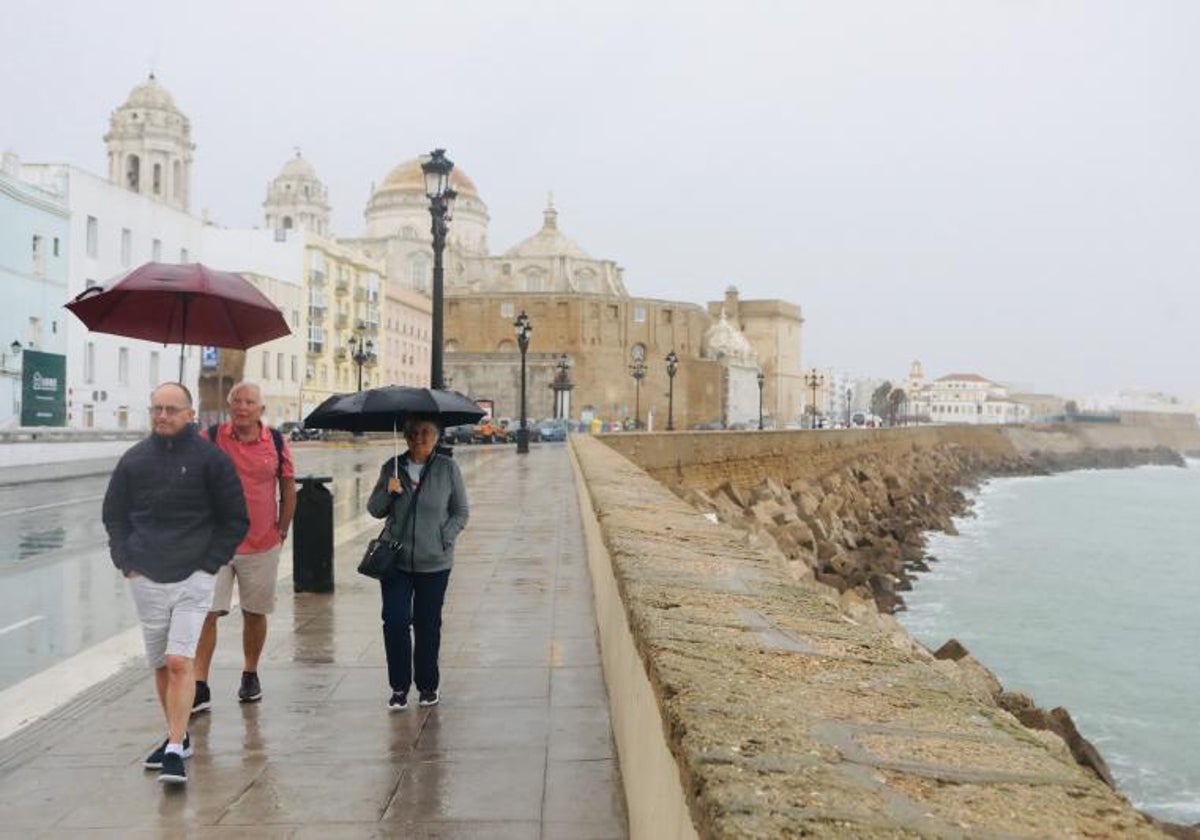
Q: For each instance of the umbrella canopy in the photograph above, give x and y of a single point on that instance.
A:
(385, 409)
(188, 304)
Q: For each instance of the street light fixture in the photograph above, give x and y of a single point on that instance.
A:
(638, 371)
(761, 378)
(672, 368)
(814, 379)
(15, 350)
(437, 169)
(523, 329)
(362, 351)
(562, 386)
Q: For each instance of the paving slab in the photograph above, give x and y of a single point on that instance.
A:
(520, 747)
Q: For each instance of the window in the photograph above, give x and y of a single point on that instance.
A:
(176, 180)
(295, 366)
(39, 261)
(56, 246)
(279, 366)
(93, 236)
(126, 247)
(153, 368)
(158, 179)
(89, 362)
(156, 250)
(123, 366)
(419, 271)
(639, 314)
(266, 365)
(506, 309)
(133, 170)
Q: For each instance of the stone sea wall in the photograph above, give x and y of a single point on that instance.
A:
(804, 544)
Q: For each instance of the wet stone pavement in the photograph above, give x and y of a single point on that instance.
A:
(520, 747)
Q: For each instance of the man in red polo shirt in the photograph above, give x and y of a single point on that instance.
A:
(264, 464)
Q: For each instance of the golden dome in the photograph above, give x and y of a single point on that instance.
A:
(408, 176)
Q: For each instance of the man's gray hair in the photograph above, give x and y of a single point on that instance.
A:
(245, 385)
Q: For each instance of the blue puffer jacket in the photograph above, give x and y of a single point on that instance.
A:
(174, 506)
(425, 520)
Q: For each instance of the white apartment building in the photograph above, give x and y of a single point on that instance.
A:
(963, 398)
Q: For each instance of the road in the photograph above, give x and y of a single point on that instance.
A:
(59, 593)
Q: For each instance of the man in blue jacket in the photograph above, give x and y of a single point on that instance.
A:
(174, 513)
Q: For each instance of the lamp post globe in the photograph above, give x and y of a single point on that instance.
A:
(638, 371)
(361, 352)
(437, 168)
(672, 369)
(523, 329)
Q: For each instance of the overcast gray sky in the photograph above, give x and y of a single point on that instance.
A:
(1006, 188)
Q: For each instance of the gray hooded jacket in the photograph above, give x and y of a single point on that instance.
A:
(425, 520)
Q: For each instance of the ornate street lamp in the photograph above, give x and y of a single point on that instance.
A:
(562, 386)
(672, 369)
(638, 371)
(814, 379)
(15, 350)
(523, 329)
(761, 378)
(362, 351)
(437, 169)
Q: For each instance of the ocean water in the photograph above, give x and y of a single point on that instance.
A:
(1083, 590)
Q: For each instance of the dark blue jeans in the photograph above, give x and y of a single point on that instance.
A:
(413, 598)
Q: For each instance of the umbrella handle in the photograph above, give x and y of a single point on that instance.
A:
(90, 290)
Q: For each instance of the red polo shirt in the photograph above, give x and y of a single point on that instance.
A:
(256, 464)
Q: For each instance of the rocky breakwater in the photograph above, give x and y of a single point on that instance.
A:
(861, 527)
(793, 710)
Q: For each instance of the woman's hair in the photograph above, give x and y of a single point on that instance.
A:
(418, 419)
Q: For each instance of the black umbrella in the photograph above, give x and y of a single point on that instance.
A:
(385, 409)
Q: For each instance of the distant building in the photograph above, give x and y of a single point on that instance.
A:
(34, 238)
(962, 398)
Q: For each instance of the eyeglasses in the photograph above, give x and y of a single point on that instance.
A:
(169, 410)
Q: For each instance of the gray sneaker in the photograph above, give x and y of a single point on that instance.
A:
(251, 690)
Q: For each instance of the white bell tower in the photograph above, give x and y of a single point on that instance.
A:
(150, 146)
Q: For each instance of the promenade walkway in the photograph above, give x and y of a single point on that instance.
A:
(520, 747)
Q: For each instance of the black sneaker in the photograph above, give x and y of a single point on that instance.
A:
(251, 691)
(399, 702)
(428, 698)
(202, 702)
(173, 772)
(154, 761)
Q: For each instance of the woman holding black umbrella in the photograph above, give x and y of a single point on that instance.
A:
(425, 501)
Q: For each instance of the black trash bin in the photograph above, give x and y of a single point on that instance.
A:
(312, 540)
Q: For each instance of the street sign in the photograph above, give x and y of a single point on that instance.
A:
(43, 389)
(210, 357)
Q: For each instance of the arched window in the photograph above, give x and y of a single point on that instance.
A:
(451, 346)
(287, 222)
(419, 272)
(158, 179)
(133, 172)
(506, 345)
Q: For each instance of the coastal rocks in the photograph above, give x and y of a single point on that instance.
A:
(1096, 459)
(1057, 720)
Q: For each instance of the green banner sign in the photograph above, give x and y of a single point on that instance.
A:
(43, 389)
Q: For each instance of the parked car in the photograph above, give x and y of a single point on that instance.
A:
(488, 432)
(296, 431)
(550, 431)
(459, 434)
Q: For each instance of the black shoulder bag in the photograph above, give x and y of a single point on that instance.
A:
(382, 555)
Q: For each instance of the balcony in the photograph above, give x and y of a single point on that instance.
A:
(318, 304)
(341, 353)
(342, 320)
(316, 278)
(316, 348)
(341, 285)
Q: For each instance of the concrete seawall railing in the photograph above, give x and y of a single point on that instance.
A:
(749, 703)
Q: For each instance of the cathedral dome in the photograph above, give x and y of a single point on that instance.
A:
(150, 94)
(408, 177)
(298, 169)
(549, 241)
(724, 340)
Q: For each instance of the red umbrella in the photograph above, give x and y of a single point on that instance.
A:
(189, 304)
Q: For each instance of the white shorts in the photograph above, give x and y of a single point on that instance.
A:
(256, 576)
(172, 614)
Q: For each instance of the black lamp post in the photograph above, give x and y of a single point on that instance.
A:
(361, 352)
(761, 378)
(562, 386)
(849, 396)
(523, 329)
(672, 368)
(814, 379)
(638, 371)
(437, 171)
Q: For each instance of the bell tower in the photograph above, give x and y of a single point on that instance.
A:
(150, 147)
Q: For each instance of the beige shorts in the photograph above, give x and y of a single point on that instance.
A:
(256, 576)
